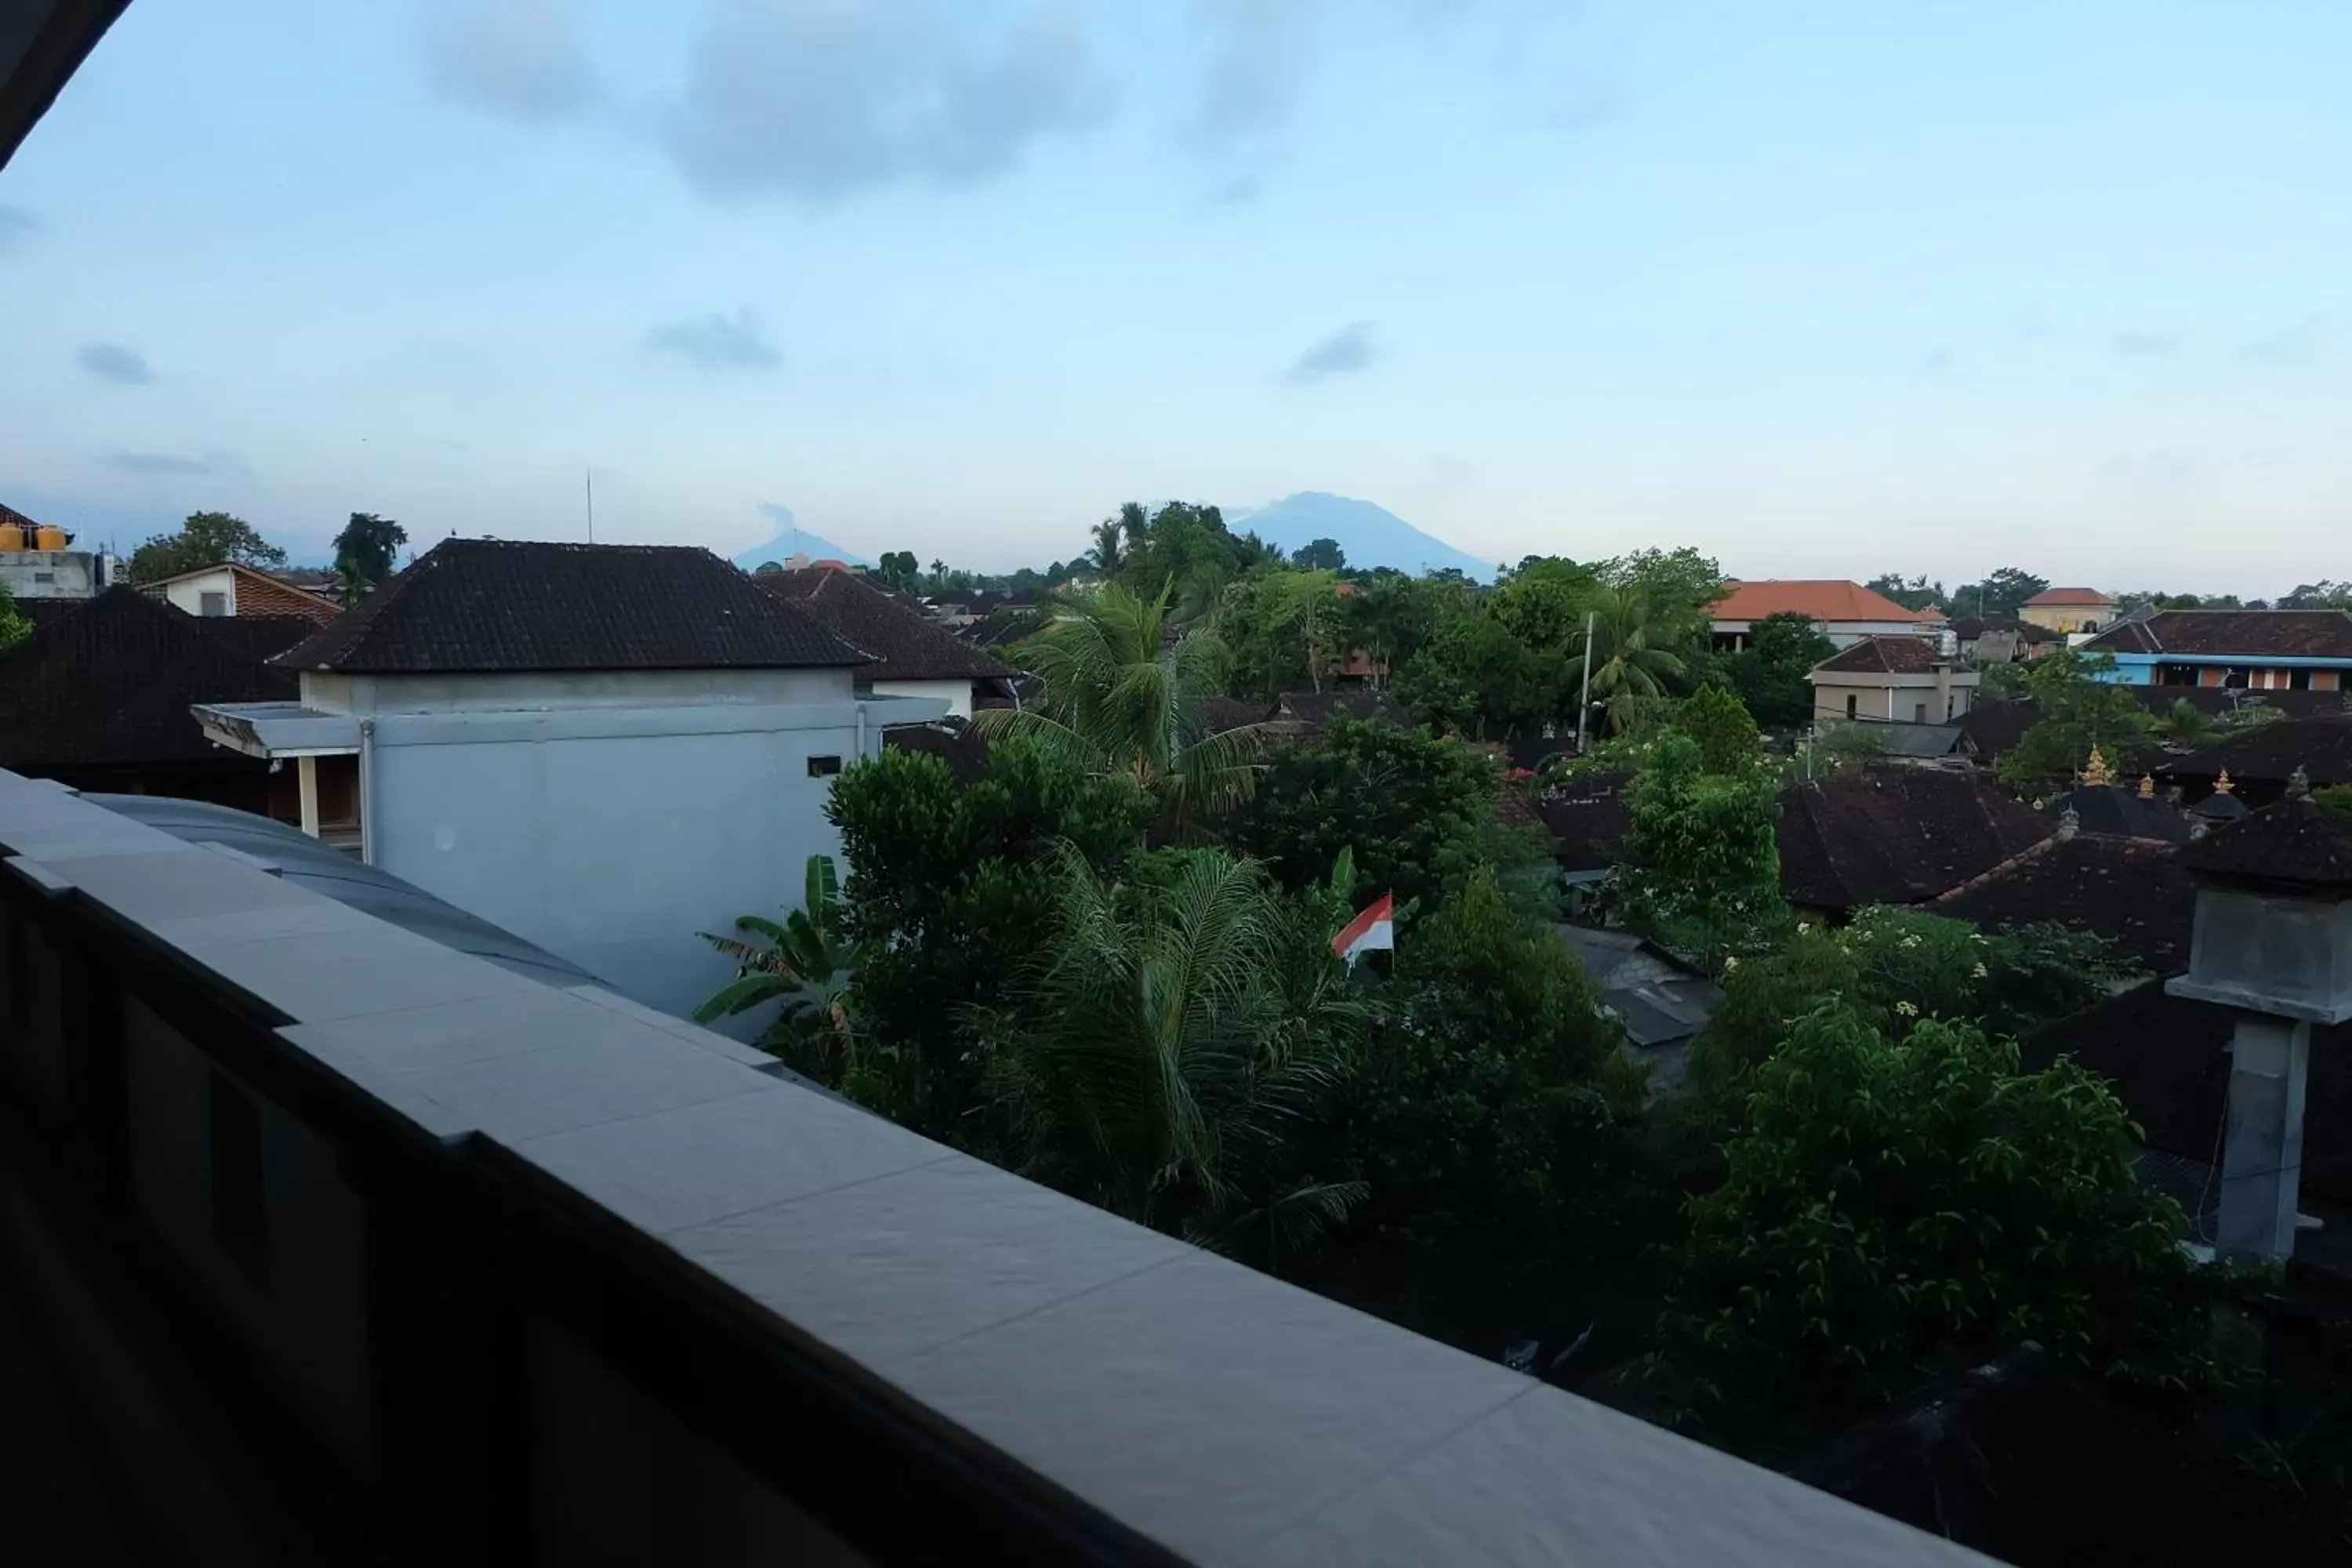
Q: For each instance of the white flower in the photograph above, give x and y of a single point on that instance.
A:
(1911, 942)
(1730, 962)
(1978, 973)
(1908, 1009)
(1804, 926)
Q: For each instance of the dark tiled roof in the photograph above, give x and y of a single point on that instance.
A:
(954, 743)
(1883, 655)
(2294, 843)
(1318, 708)
(2271, 752)
(2169, 1061)
(112, 684)
(905, 644)
(45, 613)
(1586, 818)
(1917, 740)
(2121, 813)
(1218, 714)
(1993, 725)
(1896, 835)
(2223, 701)
(2132, 891)
(2219, 634)
(489, 605)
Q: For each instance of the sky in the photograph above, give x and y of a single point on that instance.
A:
(1825, 289)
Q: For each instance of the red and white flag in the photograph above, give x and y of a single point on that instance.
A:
(1376, 927)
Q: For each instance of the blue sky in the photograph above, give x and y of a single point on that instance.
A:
(1824, 288)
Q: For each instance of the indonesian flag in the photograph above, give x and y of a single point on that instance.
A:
(1376, 927)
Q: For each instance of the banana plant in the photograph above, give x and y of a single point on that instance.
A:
(799, 963)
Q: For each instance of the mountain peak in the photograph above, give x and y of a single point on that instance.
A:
(1369, 534)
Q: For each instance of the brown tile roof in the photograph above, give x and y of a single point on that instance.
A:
(112, 683)
(490, 605)
(2168, 1059)
(2055, 598)
(1822, 599)
(2253, 634)
(1317, 708)
(2270, 753)
(1896, 835)
(2132, 891)
(1883, 656)
(905, 644)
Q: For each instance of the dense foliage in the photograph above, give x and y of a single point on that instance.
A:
(1769, 673)
(1701, 863)
(1416, 813)
(204, 539)
(14, 627)
(2081, 711)
(1894, 1203)
(366, 549)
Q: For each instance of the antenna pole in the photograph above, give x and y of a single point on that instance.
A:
(590, 474)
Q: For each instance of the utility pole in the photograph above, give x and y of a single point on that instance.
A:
(591, 474)
(1584, 696)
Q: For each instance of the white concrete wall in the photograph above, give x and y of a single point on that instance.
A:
(69, 574)
(188, 593)
(1890, 698)
(366, 694)
(613, 850)
(956, 693)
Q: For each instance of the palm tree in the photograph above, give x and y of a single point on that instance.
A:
(1122, 695)
(1628, 674)
(799, 963)
(1152, 1060)
(1108, 555)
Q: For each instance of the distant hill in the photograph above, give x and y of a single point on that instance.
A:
(1370, 535)
(797, 542)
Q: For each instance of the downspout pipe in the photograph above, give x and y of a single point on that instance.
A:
(367, 792)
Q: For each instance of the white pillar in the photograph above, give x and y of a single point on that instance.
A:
(306, 776)
(2261, 1152)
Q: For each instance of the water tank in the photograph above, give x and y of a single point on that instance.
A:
(13, 537)
(49, 536)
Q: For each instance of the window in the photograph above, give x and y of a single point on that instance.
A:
(1852, 705)
(45, 577)
(823, 767)
(214, 602)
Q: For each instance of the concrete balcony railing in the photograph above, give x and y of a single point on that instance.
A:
(356, 1248)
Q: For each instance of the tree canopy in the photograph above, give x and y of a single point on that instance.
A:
(204, 539)
(15, 626)
(367, 548)
(2081, 711)
(1769, 673)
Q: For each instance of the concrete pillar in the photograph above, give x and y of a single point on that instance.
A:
(306, 777)
(2261, 1152)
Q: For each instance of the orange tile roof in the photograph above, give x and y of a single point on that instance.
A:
(2070, 597)
(1823, 599)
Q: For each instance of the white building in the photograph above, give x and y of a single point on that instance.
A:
(1894, 680)
(607, 749)
(230, 588)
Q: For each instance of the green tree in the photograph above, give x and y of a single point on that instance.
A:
(1475, 678)
(2001, 593)
(947, 886)
(1543, 601)
(898, 570)
(1495, 1120)
(1911, 593)
(1629, 673)
(1725, 731)
(1678, 589)
(2006, 680)
(1121, 697)
(1183, 551)
(205, 538)
(1391, 615)
(1414, 812)
(2335, 799)
(802, 964)
(1701, 866)
(367, 547)
(1284, 631)
(2184, 726)
(2324, 594)
(1319, 555)
(15, 626)
(2082, 709)
(1109, 551)
(1894, 1205)
(1159, 1051)
(1770, 673)
(1895, 967)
